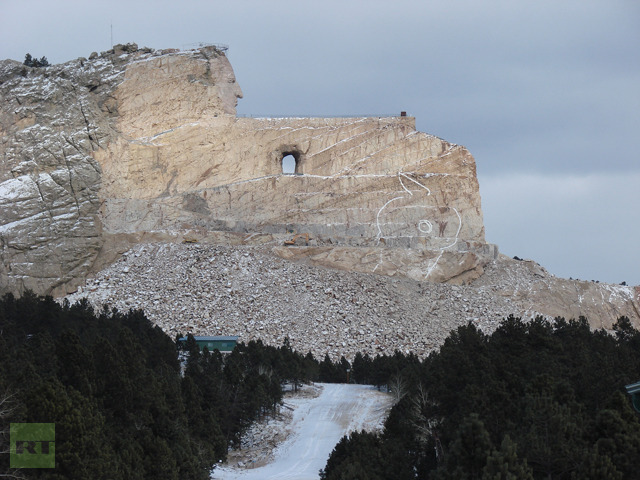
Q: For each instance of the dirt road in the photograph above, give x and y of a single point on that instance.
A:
(317, 425)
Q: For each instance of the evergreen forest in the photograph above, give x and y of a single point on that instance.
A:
(533, 400)
(112, 384)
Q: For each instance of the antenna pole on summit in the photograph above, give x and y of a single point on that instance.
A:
(111, 34)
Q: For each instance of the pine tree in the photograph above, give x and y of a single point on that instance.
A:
(618, 433)
(29, 61)
(362, 368)
(552, 436)
(598, 466)
(504, 464)
(328, 371)
(469, 451)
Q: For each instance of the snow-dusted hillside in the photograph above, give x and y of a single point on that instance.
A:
(249, 292)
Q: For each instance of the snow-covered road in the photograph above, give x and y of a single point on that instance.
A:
(318, 424)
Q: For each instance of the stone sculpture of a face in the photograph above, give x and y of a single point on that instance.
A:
(225, 81)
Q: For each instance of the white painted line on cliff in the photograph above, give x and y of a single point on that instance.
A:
(342, 141)
(425, 226)
(367, 157)
(459, 227)
(378, 217)
(433, 265)
(327, 177)
(414, 181)
(405, 188)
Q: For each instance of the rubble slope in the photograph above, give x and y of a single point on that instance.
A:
(250, 292)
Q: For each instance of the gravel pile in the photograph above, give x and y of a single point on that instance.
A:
(247, 291)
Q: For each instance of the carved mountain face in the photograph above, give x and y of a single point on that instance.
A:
(135, 146)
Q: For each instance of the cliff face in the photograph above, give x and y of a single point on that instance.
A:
(99, 153)
(51, 122)
(133, 146)
(359, 182)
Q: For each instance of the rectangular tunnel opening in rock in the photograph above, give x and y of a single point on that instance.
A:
(289, 164)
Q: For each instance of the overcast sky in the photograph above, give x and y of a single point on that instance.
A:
(545, 94)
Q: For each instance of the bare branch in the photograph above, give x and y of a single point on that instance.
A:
(398, 388)
(7, 405)
(421, 418)
(13, 474)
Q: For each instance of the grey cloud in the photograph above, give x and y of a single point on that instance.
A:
(579, 226)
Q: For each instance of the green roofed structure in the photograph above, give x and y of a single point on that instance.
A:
(634, 391)
(224, 344)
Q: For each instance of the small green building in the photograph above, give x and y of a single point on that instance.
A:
(634, 390)
(224, 344)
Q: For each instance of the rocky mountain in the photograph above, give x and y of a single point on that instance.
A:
(142, 149)
(102, 152)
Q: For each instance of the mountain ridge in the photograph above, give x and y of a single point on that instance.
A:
(141, 147)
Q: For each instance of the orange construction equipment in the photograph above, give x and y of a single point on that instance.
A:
(295, 237)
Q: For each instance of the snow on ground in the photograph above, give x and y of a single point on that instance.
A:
(318, 425)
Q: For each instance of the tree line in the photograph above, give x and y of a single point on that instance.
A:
(30, 61)
(533, 400)
(123, 404)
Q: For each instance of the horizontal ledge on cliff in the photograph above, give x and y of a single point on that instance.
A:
(223, 47)
(366, 115)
